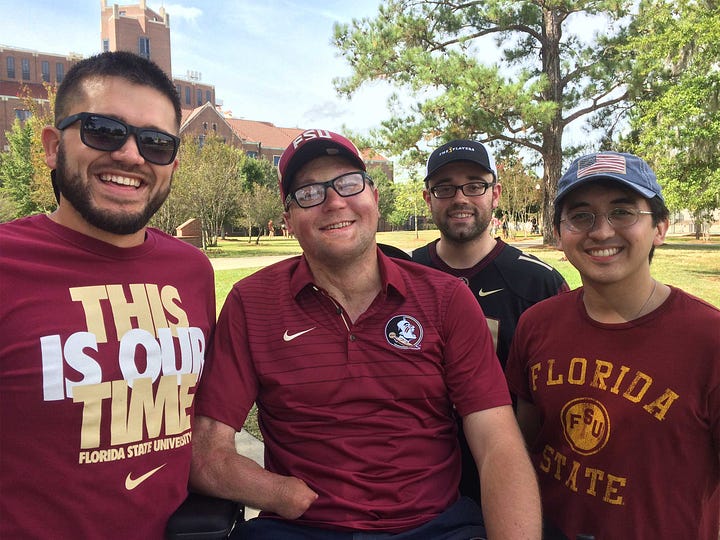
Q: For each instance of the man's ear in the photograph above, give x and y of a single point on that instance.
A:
(50, 137)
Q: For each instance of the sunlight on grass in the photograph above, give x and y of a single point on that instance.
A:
(683, 262)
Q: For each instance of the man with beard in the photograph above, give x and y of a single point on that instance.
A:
(462, 190)
(103, 322)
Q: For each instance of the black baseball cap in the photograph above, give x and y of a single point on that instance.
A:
(460, 150)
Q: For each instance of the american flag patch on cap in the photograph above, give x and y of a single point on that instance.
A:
(601, 163)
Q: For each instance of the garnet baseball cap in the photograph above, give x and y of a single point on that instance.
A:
(460, 150)
(311, 144)
(627, 169)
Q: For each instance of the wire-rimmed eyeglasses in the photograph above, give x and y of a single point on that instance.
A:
(471, 189)
(618, 218)
(345, 185)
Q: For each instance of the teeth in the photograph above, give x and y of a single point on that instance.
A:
(339, 225)
(122, 180)
(608, 252)
(461, 215)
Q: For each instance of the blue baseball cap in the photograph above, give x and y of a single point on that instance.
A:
(626, 169)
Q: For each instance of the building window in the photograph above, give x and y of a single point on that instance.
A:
(106, 45)
(144, 47)
(178, 89)
(276, 160)
(45, 71)
(187, 95)
(59, 72)
(198, 94)
(201, 140)
(25, 69)
(214, 126)
(208, 96)
(252, 154)
(22, 114)
(205, 126)
(11, 67)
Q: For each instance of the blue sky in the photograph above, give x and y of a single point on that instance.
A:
(269, 60)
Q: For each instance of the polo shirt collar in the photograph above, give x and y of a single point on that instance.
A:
(301, 276)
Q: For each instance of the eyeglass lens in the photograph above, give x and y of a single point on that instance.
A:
(345, 185)
(618, 218)
(471, 189)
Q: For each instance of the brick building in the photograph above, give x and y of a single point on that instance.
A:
(141, 30)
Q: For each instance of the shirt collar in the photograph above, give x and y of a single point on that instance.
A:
(390, 275)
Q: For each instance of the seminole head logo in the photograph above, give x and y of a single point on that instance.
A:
(404, 332)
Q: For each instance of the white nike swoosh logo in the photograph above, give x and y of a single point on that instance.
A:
(482, 293)
(290, 337)
(132, 483)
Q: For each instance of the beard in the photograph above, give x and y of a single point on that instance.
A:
(464, 233)
(77, 192)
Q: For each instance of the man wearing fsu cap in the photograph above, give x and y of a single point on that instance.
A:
(618, 381)
(357, 363)
(461, 191)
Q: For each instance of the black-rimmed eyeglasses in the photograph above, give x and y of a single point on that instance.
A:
(109, 134)
(471, 189)
(345, 185)
(618, 218)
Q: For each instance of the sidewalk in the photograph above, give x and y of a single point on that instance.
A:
(249, 446)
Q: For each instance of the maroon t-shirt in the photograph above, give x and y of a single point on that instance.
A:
(100, 352)
(630, 440)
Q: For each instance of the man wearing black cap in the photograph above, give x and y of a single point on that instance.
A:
(357, 363)
(618, 381)
(462, 190)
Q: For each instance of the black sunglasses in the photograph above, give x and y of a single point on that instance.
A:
(110, 134)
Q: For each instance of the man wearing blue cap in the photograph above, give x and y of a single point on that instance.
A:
(618, 382)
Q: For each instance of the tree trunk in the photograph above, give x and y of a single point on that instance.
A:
(553, 132)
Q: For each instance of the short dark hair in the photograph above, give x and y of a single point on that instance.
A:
(123, 64)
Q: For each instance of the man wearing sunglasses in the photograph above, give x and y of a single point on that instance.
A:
(104, 321)
(357, 363)
(462, 191)
(618, 381)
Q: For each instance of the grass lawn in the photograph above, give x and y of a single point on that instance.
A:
(682, 261)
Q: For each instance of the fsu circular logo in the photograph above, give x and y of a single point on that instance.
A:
(586, 425)
(404, 332)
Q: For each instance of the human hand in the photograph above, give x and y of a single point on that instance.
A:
(293, 497)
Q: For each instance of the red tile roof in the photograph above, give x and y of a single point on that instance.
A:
(268, 134)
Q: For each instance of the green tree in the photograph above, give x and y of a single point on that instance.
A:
(208, 183)
(24, 176)
(437, 53)
(676, 120)
(520, 191)
(258, 205)
(386, 192)
(409, 204)
(260, 171)
(16, 170)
